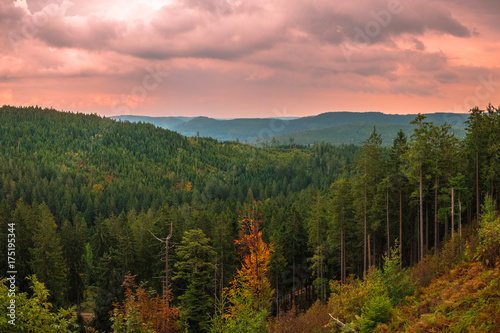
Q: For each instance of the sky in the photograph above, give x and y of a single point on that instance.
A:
(250, 58)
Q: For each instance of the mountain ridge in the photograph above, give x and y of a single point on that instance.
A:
(259, 131)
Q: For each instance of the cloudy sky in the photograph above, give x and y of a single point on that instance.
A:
(250, 58)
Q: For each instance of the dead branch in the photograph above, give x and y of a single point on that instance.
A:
(341, 324)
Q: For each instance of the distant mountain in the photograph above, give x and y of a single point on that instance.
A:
(164, 122)
(350, 134)
(332, 127)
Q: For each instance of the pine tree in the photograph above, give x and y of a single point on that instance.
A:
(368, 169)
(398, 179)
(317, 230)
(48, 261)
(294, 242)
(193, 269)
(416, 161)
(73, 240)
(340, 211)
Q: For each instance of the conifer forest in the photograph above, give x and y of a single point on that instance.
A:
(113, 226)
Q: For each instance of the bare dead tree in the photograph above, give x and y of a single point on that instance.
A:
(165, 283)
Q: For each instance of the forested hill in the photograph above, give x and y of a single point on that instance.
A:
(65, 159)
(110, 183)
(331, 127)
(253, 232)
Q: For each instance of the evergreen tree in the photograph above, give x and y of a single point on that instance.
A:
(294, 243)
(317, 228)
(73, 240)
(48, 260)
(398, 180)
(340, 212)
(416, 161)
(193, 269)
(369, 173)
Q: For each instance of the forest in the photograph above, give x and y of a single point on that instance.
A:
(128, 227)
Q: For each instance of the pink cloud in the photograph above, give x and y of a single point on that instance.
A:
(248, 57)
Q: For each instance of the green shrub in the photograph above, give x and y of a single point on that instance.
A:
(488, 250)
(377, 308)
(398, 281)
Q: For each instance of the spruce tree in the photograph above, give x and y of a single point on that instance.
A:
(48, 261)
(193, 270)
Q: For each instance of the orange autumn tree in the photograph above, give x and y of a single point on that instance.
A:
(141, 311)
(250, 293)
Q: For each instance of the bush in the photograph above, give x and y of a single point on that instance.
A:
(347, 300)
(398, 281)
(361, 304)
(35, 313)
(376, 310)
(314, 320)
(488, 250)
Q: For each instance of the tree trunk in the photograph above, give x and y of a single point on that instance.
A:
(416, 257)
(421, 245)
(369, 253)
(342, 254)
(436, 224)
(452, 211)
(400, 229)
(222, 274)
(293, 285)
(426, 229)
(478, 199)
(460, 221)
(365, 227)
(388, 228)
(277, 297)
(215, 285)
(323, 288)
(446, 229)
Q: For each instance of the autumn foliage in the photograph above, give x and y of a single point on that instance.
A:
(142, 311)
(250, 290)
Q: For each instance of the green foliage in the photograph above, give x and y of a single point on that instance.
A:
(217, 320)
(73, 239)
(481, 150)
(247, 322)
(48, 261)
(193, 269)
(130, 322)
(35, 313)
(397, 281)
(376, 309)
(361, 304)
(107, 184)
(488, 250)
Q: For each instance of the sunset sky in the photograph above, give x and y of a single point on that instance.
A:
(250, 58)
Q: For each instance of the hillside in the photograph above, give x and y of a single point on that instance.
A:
(344, 134)
(332, 127)
(89, 197)
(466, 299)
